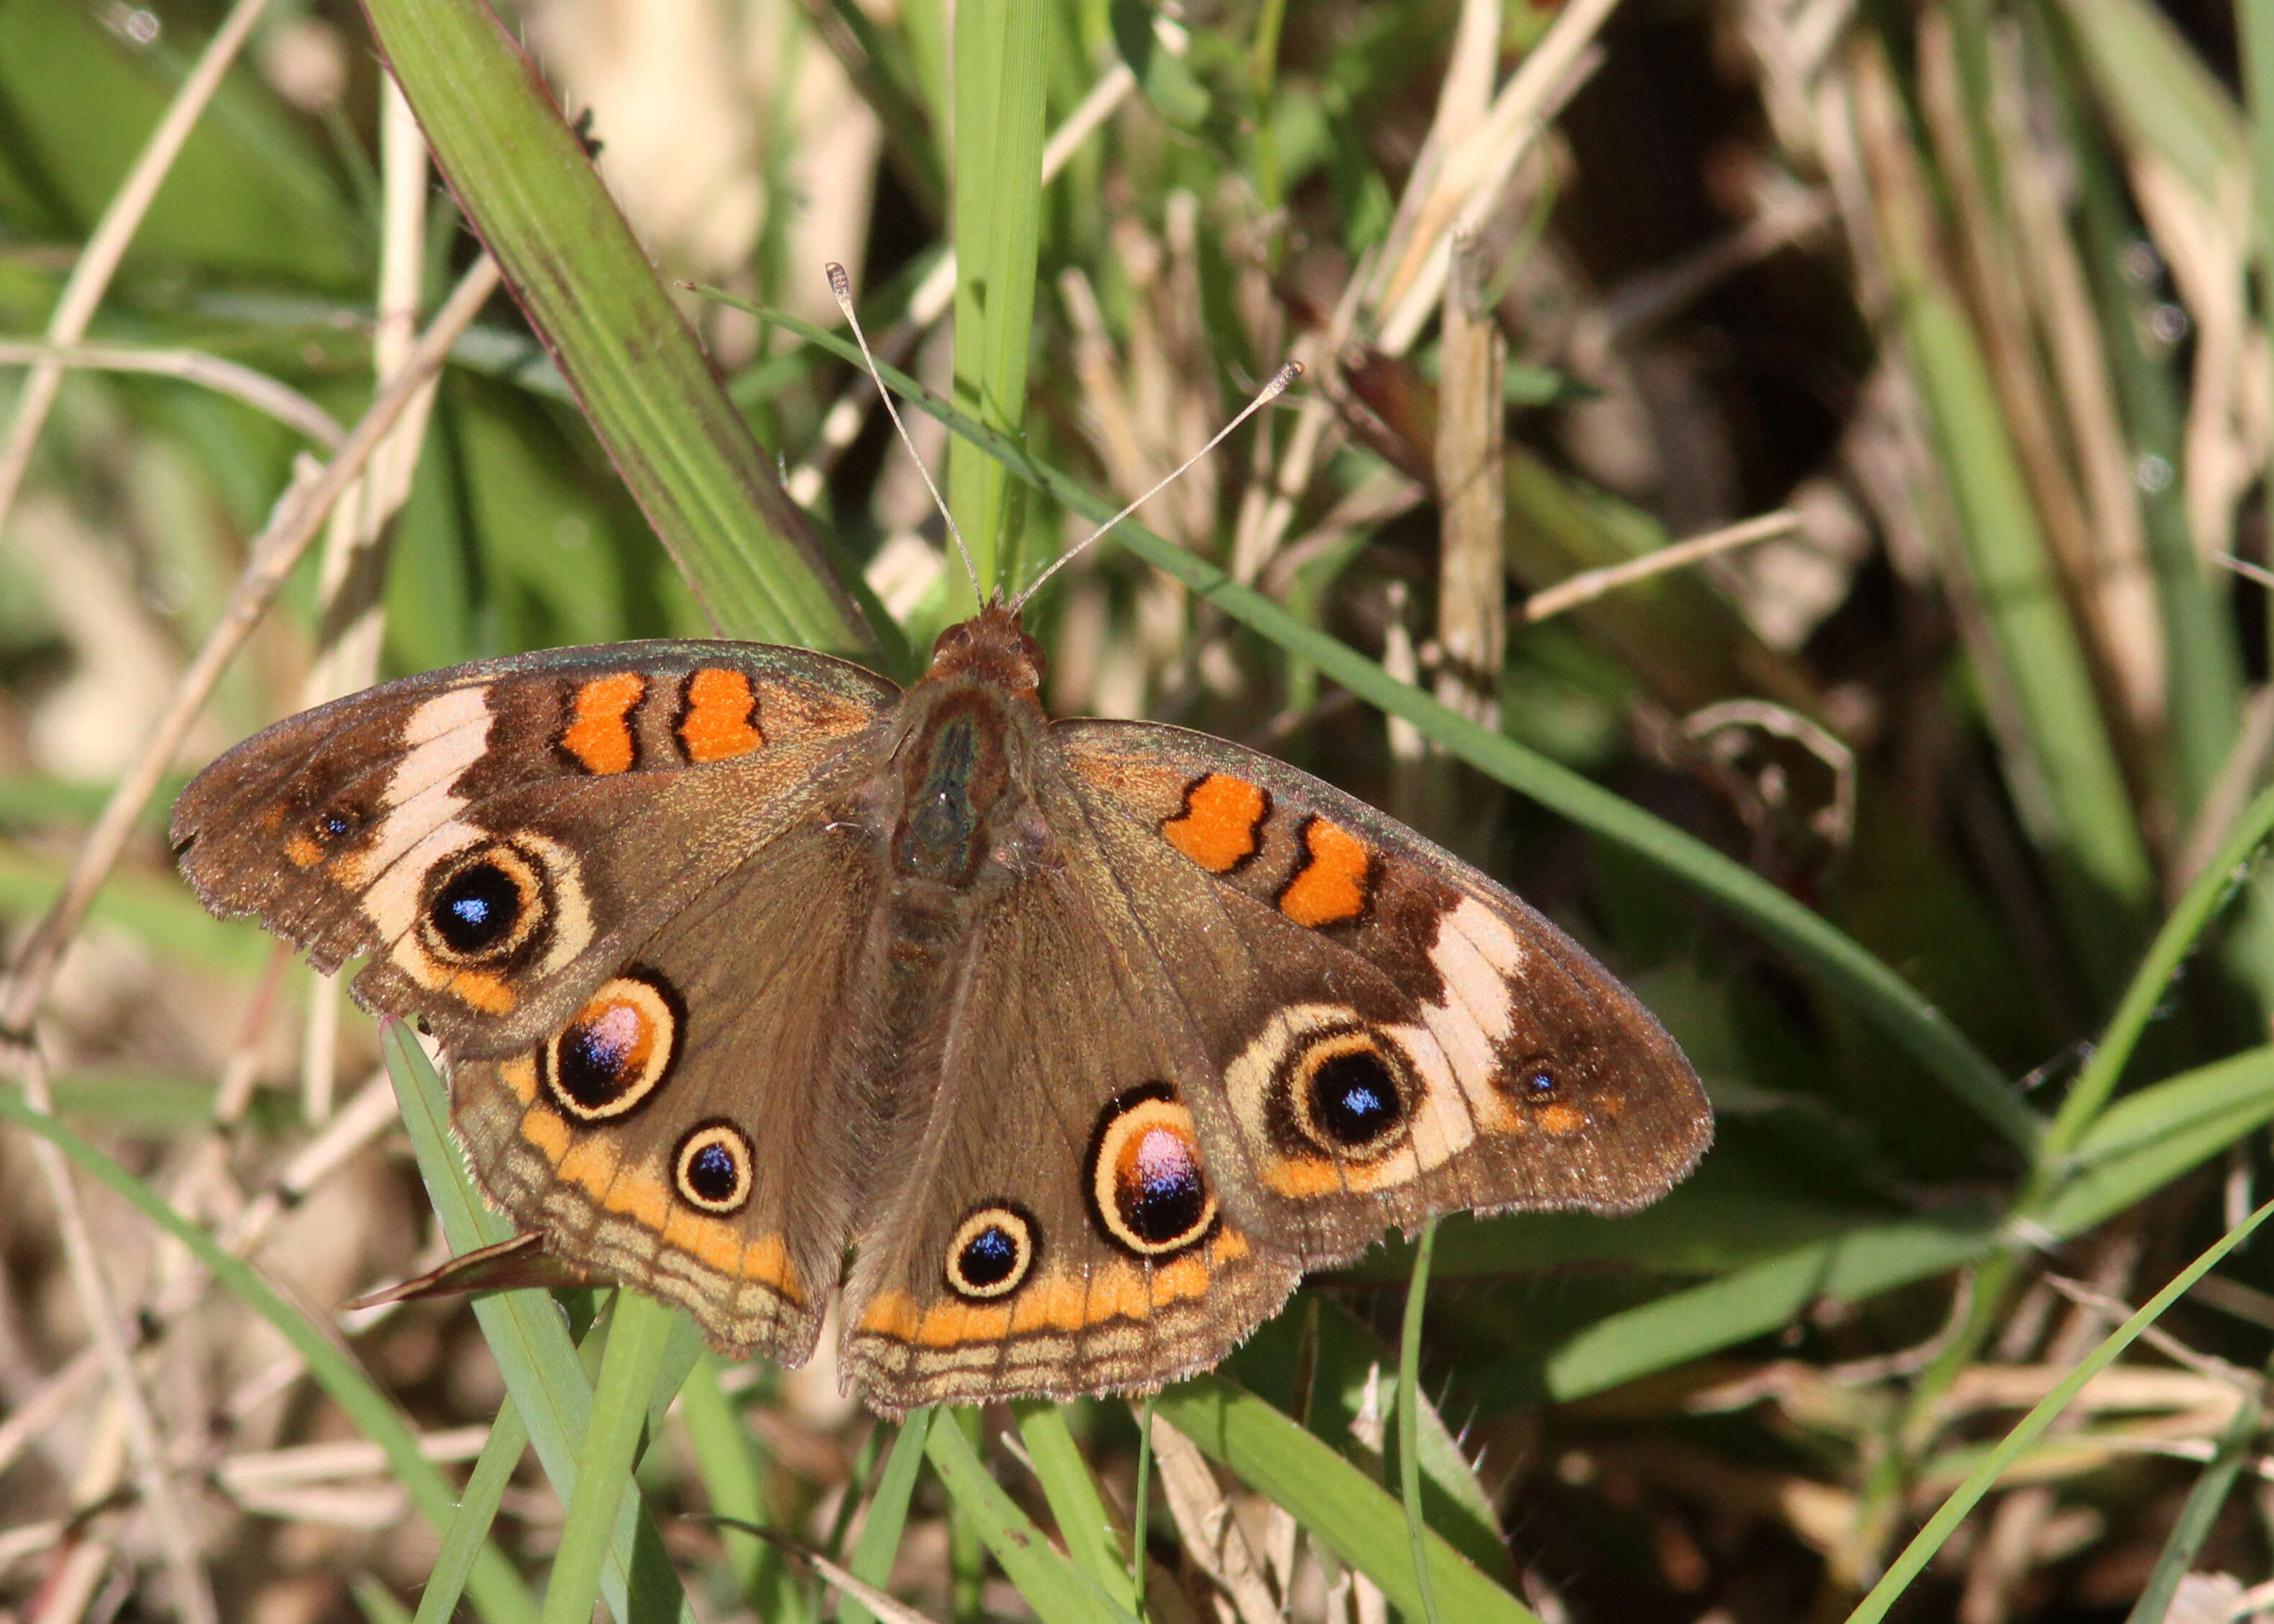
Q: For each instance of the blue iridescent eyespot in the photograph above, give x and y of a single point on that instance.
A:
(711, 1169)
(993, 1252)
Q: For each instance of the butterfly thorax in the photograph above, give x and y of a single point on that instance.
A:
(962, 763)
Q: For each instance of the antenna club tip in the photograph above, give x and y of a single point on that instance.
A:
(1284, 377)
(840, 283)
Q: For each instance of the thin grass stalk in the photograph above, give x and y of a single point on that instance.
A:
(498, 1591)
(1000, 83)
(464, 1540)
(888, 1511)
(1409, 1421)
(2204, 1504)
(638, 1329)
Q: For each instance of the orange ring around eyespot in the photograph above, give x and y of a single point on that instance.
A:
(635, 1018)
(1146, 1143)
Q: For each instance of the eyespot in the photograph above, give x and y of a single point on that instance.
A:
(1348, 1094)
(711, 1169)
(610, 1059)
(992, 1253)
(483, 905)
(1147, 1181)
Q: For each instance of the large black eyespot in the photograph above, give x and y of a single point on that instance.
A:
(484, 907)
(1147, 1183)
(992, 1251)
(1348, 1093)
(477, 908)
(1354, 1098)
(711, 1169)
(616, 1054)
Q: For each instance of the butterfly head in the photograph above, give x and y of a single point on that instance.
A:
(991, 647)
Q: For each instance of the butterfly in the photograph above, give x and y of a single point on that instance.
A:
(1057, 1052)
(1088, 1037)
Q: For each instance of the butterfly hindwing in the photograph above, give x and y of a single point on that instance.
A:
(685, 1128)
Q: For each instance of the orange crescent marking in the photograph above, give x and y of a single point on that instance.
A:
(1220, 826)
(302, 852)
(1302, 1176)
(722, 717)
(1331, 887)
(601, 738)
(486, 993)
(1562, 1119)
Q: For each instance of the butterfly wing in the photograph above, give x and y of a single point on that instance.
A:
(1389, 1033)
(1046, 1220)
(497, 837)
(551, 860)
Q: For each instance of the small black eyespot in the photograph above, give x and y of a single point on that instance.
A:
(712, 1168)
(1354, 1099)
(710, 1173)
(334, 825)
(1543, 1084)
(989, 1257)
(991, 1253)
(476, 908)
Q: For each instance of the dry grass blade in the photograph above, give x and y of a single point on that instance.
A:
(298, 516)
(256, 388)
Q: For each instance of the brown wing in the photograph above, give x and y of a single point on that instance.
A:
(1389, 1033)
(686, 1130)
(1048, 1221)
(498, 836)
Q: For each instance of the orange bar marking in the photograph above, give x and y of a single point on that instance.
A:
(893, 1314)
(1330, 886)
(1221, 826)
(721, 717)
(547, 1133)
(601, 738)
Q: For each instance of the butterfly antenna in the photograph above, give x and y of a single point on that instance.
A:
(1281, 380)
(841, 285)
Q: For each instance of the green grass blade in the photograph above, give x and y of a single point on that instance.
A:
(1084, 1524)
(1409, 1424)
(2195, 1517)
(478, 1509)
(497, 1591)
(1000, 77)
(532, 1346)
(1350, 1515)
(888, 1512)
(521, 174)
(1060, 1592)
(727, 1460)
(2150, 983)
(638, 1330)
(1952, 1512)
(1883, 998)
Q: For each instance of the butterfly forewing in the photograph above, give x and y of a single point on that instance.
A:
(1390, 1033)
(499, 838)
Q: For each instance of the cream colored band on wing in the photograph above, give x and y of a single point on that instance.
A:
(420, 824)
